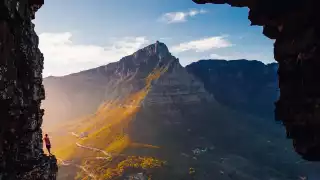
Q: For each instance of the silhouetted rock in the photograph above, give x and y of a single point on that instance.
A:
(21, 92)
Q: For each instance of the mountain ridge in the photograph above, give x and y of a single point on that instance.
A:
(231, 60)
(76, 88)
(249, 86)
(97, 76)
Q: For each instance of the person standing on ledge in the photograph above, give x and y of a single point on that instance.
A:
(47, 142)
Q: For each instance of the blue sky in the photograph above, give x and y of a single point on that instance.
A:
(81, 34)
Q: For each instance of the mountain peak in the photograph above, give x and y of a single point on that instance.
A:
(152, 55)
(157, 48)
(161, 48)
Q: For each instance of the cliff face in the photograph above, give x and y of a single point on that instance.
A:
(295, 27)
(177, 86)
(247, 86)
(21, 64)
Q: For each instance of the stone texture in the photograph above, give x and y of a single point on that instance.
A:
(295, 27)
(21, 92)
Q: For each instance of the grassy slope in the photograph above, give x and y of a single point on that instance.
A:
(106, 131)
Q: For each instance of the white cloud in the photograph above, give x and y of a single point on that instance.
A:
(203, 44)
(63, 56)
(178, 17)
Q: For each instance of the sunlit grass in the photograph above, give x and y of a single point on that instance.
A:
(106, 131)
(134, 162)
(118, 145)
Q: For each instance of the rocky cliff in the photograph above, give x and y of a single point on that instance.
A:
(21, 64)
(247, 86)
(294, 25)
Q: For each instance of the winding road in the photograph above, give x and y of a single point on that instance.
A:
(94, 149)
(91, 148)
(107, 156)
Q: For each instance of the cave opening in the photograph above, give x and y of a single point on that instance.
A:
(293, 25)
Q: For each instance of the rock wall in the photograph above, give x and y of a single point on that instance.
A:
(295, 26)
(21, 92)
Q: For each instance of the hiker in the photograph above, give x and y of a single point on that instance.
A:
(47, 142)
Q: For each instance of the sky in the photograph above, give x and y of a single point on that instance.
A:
(76, 35)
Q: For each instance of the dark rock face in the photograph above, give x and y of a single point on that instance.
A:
(295, 27)
(248, 86)
(21, 64)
